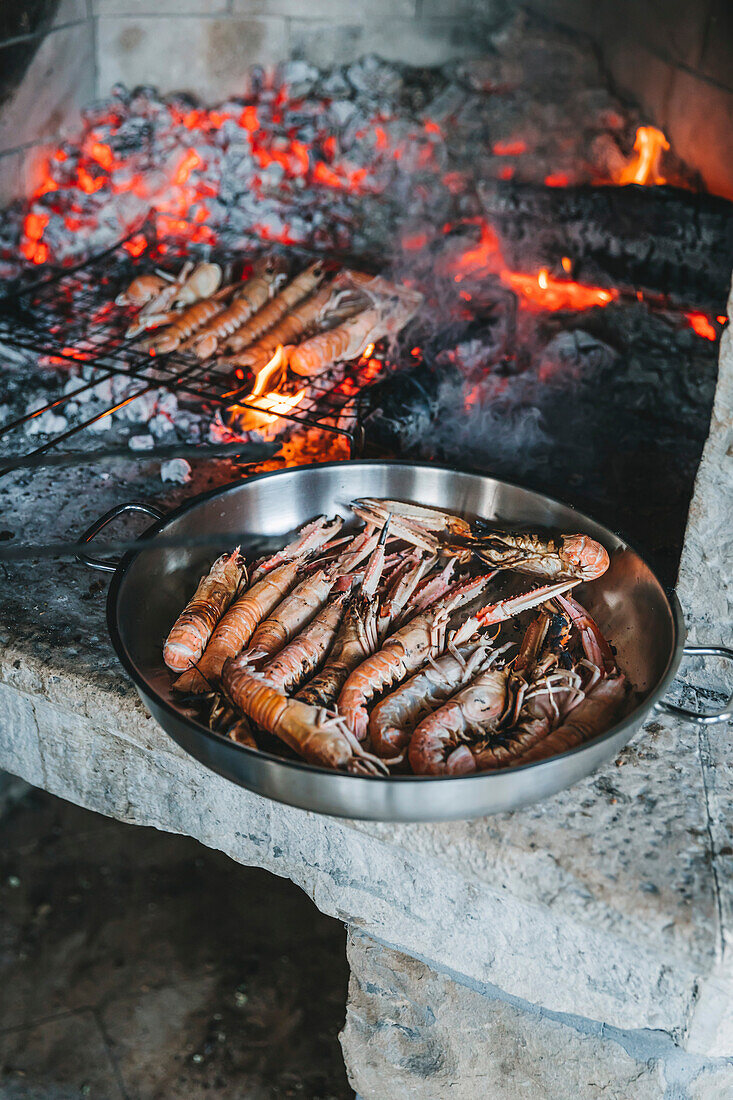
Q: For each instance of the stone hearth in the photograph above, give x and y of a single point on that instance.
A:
(606, 907)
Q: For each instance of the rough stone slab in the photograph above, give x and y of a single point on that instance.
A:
(411, 1032)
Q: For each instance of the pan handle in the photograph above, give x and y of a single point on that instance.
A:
(725, 715)
(108, 565)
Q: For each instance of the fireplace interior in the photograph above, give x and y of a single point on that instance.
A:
(521, 169)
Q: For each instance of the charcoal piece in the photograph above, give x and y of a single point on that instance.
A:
(658, 239)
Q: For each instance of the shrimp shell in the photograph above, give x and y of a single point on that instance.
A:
(270, 314)
(295, 612)
(594, 714)
(474, 710)
(319, 736)
(188, 322)
(346, 341)
(395, 717)
(301, 657)
(204, 281)
(237, 627)
(193, 627)
(141, 290)
(287, 329)
(355, 641)
(403, 653)
(250, 297)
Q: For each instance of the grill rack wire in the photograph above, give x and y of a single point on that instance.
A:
(70, 316)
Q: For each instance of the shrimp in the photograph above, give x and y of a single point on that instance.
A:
(437, 743)
(403, 653)
(301, 286)
(287, 329)
(357, 636)
(391, 309)
(301, 657)
(237, 627)
(316, 734)
(290, 616)
(394, 717)
(192, 629)
(574, 556)
(185, 324)
(425, 635)
(345, 341)
(266, 277)
(310, 537)
(141, 290)
(203, 281)
(167, 295)
(596, 713)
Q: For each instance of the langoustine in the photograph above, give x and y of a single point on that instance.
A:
(193, 627)
(393, 719)
(574, 556)
(437, 744)
(301, 286)
(425, 636)
(403, 653)
(291, 616)
(184, 325)
(318, 735)
(300, 658)
(248, 299)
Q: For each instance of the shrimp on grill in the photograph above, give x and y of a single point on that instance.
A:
(394, 718)
(237, 627)
(192, 629)
(316, 734)
(184, 325)
(346, 341)
(204, 280)
(165, 298)
(141, 290)
(300, 287)
(571, 556)
(288, 328)
(252, 296)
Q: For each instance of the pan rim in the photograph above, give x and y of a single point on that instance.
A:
(629, 722)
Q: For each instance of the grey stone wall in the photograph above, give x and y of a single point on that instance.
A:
(47, 73)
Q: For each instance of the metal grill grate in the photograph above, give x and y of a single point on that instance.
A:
(70, 315)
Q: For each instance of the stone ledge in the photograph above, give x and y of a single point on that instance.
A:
(412, 1032)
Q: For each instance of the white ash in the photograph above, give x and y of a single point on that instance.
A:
(141, 442)
(176, 470)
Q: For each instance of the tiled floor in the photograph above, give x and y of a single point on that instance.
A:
(135, 965)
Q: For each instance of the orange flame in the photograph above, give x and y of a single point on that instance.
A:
(270, 406)
(649, 145)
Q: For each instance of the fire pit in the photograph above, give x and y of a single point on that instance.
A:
(573, 264)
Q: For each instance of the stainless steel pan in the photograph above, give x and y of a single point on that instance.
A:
(150, 587)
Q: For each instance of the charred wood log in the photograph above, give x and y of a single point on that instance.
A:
(659, 239)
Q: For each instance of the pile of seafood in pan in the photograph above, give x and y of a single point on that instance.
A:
(404, 648)
(319, 317)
